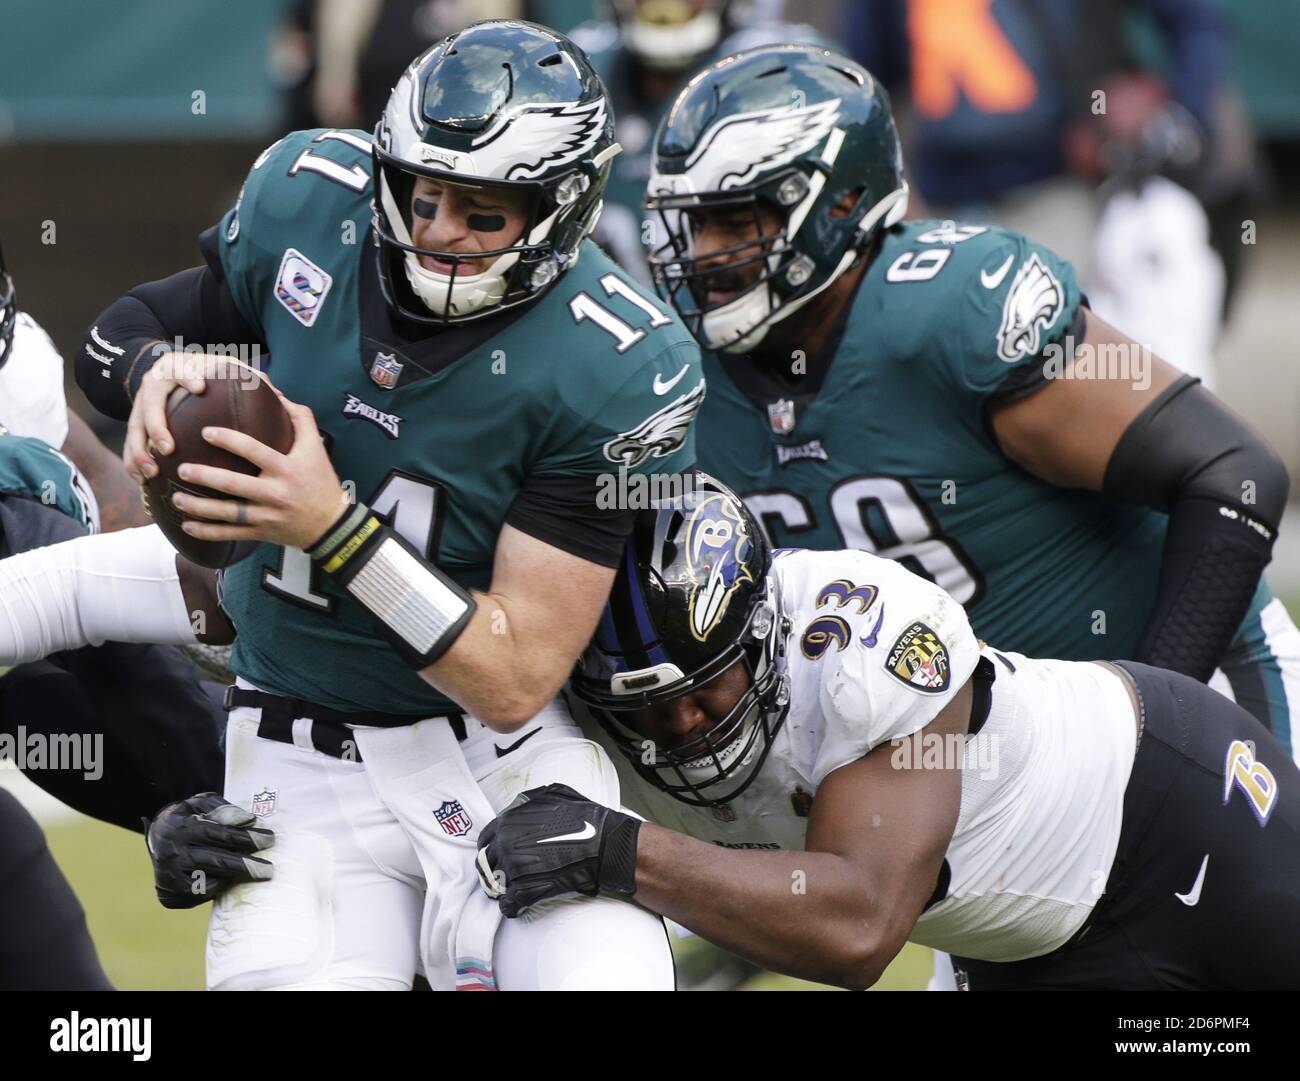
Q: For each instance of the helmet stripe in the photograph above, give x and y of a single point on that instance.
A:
(607, 639)
(640, 635)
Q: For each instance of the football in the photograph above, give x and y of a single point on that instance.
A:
(236, 397)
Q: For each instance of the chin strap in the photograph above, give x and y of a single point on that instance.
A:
(891, 209)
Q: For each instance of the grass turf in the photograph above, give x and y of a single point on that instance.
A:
(142, 946)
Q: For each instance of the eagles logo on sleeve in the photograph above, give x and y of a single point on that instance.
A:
(920, 660)
(659, 434)
(1033, 303)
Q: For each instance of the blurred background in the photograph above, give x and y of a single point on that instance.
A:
(1155, 143)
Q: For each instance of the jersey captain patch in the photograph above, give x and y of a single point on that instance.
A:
(301, 286)
(919, 659)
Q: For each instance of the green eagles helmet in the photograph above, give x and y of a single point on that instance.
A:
(500, 104)
(797, 127)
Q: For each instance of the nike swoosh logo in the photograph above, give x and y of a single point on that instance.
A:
(872, 638)
(661, 387)
(1194, 894)
(992, 281)
(588, 831)
(503, 751)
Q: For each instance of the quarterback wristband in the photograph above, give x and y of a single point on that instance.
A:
(421, 611)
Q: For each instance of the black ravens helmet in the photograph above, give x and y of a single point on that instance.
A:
(8, 311)
(691, 599)
(499, 105)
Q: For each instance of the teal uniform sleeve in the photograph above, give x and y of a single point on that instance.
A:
(619, 425)
(1019, 302)
(306, 178)
(646, 426)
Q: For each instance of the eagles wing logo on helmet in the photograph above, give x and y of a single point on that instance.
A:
(1033, 302)
(541, 137)
(717, 548)
(776, 136)
(659, 434)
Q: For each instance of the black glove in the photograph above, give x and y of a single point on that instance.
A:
(198, 848)
(554, 841)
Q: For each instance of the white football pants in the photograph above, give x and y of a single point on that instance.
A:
(374, 872)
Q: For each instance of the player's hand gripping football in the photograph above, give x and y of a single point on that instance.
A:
(202, 846)
(294, 501)
(147, 425)
(551, 842)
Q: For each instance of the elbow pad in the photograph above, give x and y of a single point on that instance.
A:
(1187, 444)
(1224, 490)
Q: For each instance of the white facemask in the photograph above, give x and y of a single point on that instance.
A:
(740, 324)
(469, 293)
(744, 321)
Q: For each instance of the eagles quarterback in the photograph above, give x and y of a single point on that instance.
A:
(940, 394)
(833, 764)
(468, 371)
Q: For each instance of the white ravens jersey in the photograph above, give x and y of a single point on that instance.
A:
(31, 386)
(874, 654)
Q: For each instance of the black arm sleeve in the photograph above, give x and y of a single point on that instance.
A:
(195, 306)
(1224, 489)
(576, 515)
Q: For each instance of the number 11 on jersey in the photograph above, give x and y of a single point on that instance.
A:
(585, 306)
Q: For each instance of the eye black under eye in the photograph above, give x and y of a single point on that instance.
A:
(424, 208)
(486, 223)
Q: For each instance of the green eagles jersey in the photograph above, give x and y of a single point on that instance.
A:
(894, 455)
(34, 470)
(592, 378)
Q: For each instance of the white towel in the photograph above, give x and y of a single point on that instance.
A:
(420, 774)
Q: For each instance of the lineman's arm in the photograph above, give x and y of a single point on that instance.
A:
(838, 912)
(1171, 445)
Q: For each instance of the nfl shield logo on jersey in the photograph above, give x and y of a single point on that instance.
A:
(386, 370)
(264, 802)
(781, 416)
(452, 818)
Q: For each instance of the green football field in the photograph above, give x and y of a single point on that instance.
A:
(144, 947)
